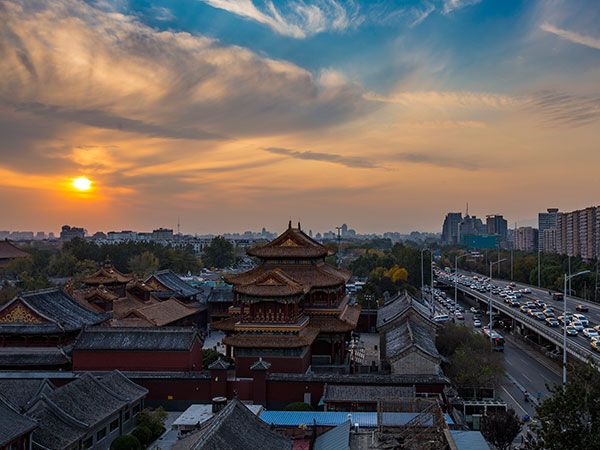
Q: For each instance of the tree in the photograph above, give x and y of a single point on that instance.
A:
(570, 418)
(144, 264)
(298, 406)
(144, 435)
(154, 420)
(7, 293)
(17, 266)
(209, 356)
(501, 428)
(126, 442)
(63, 265)
(219, 253)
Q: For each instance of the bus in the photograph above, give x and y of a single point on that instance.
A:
(497, 339)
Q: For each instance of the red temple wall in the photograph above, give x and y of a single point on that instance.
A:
(279, 364)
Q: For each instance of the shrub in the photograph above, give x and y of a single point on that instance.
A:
(298, 406)
(126, 442)
(144, 435)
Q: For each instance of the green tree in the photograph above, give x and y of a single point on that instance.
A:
(33, 282)
(144, 264)
(570, 417)
(298, 406)
(144, 435)
(154, 420)
(501, 428)
(219, 253)
(17, 266)
(209, 356)
(7, 292)
(126, 442)
(63, 265)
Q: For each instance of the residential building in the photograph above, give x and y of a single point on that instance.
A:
(496, 224)
(450, 228)
(67, 233)
(162, 234)
(546, 220)
(578, 233)
(525, 238)
(549, 240)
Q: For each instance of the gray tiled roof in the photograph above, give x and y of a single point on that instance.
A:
(364, 393)
(261, 364)
(338, 438)
(12, 423)
(178, 287)
(407, 334)
(234, 428)
(11, 357)
(66, 414)
(359, 379)
(20, 392)
(218, 364)
(397, 306)
(63, 312)
(136, 338)
(220, 294)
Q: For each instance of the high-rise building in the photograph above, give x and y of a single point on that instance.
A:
(549, 240)
(470, 226)
(525, 238)
(578, 233)
(450, 228)
(67, 233)
(546, 220)
(496, 224)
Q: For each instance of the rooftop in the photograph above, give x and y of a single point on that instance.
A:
(136, 339)
(171, 282)
(407, 334)
(9, 250)
(107, 274)
(399, 305)
(12, 423)
(364, 393)
(292, 243)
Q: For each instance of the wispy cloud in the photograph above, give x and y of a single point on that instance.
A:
(451, 5)
(564, 110)
(464, 99)
(572, 36)
(354, 162)
(439, 160)
(296, 19)
(421, 15)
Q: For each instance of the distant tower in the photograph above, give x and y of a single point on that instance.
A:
(178, 226)
(467, 214)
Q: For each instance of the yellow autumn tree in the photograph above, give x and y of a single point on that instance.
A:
(397, 273)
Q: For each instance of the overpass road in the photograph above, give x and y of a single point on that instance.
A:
(577, 346)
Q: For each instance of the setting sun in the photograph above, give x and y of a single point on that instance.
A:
(82, 184)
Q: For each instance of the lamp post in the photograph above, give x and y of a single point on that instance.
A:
(567, 278)
(456, 258)
(490, 292)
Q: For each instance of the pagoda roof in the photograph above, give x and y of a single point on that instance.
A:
(273, 283)
(167, 281)
(164, 313)
(308, 275)
(292, 243)
(107, 274)
(9, 250)
(46, 311)
(345, 322)
(303, 339)
(227, 324)
(101, 292)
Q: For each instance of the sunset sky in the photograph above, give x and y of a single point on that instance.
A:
(239, 114)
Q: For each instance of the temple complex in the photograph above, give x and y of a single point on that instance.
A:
(292, 309)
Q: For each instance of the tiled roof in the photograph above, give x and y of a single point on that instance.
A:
(410, 334)
(101, 292)
(20, 392)
(308, 275)
(165, 312)
(9, 250)
(136, 339)
(12, 423)
(338, 438)
(227, 324)
(66, 414)
(173, 283)
(364, 393)
(218, 364)
(305, 338)
(292, 243)
(220, 294)
(362, 379)
(107, 274)
(60, 312)
(397, 306)
(234, 428)
(33, 357)
(261, 364)
(346, 322)
(273, 283)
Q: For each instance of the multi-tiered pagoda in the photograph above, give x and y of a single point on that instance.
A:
(291, 309)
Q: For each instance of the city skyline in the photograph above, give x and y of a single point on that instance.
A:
(381, 115)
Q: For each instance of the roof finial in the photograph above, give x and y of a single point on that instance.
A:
(290, 224)
(299, 226)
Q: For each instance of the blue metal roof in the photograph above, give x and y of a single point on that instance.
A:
(469, 440)
(332, 419)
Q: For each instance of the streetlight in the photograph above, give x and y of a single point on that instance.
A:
(567, 278)
(456, 277)
(490, 292)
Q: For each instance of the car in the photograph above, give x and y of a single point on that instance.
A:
(571, 331)
(549, 313)
(441, 318)
(595, 345)
(477, 316)
(597, 328)
(515, 303)
(532, 312)
(590, 332)
(540, 316)
(518, 294)
(473, 310)
(569, 317)
(526, 291)
(524, 308)
(502, 294)
(577, 325)
(531, 304)
(551, 322)
(582, 308)
(540, 304)
(582, 319)
(459, 316)
(477, 323)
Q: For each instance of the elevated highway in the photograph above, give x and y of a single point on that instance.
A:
(577, 346)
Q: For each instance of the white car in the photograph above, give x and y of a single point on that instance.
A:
(477, 323)
(578, 325)
(582, 319)
(590, 333)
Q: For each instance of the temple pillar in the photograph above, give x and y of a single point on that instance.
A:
(242, 312)
(287, 312)
(332, 350)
